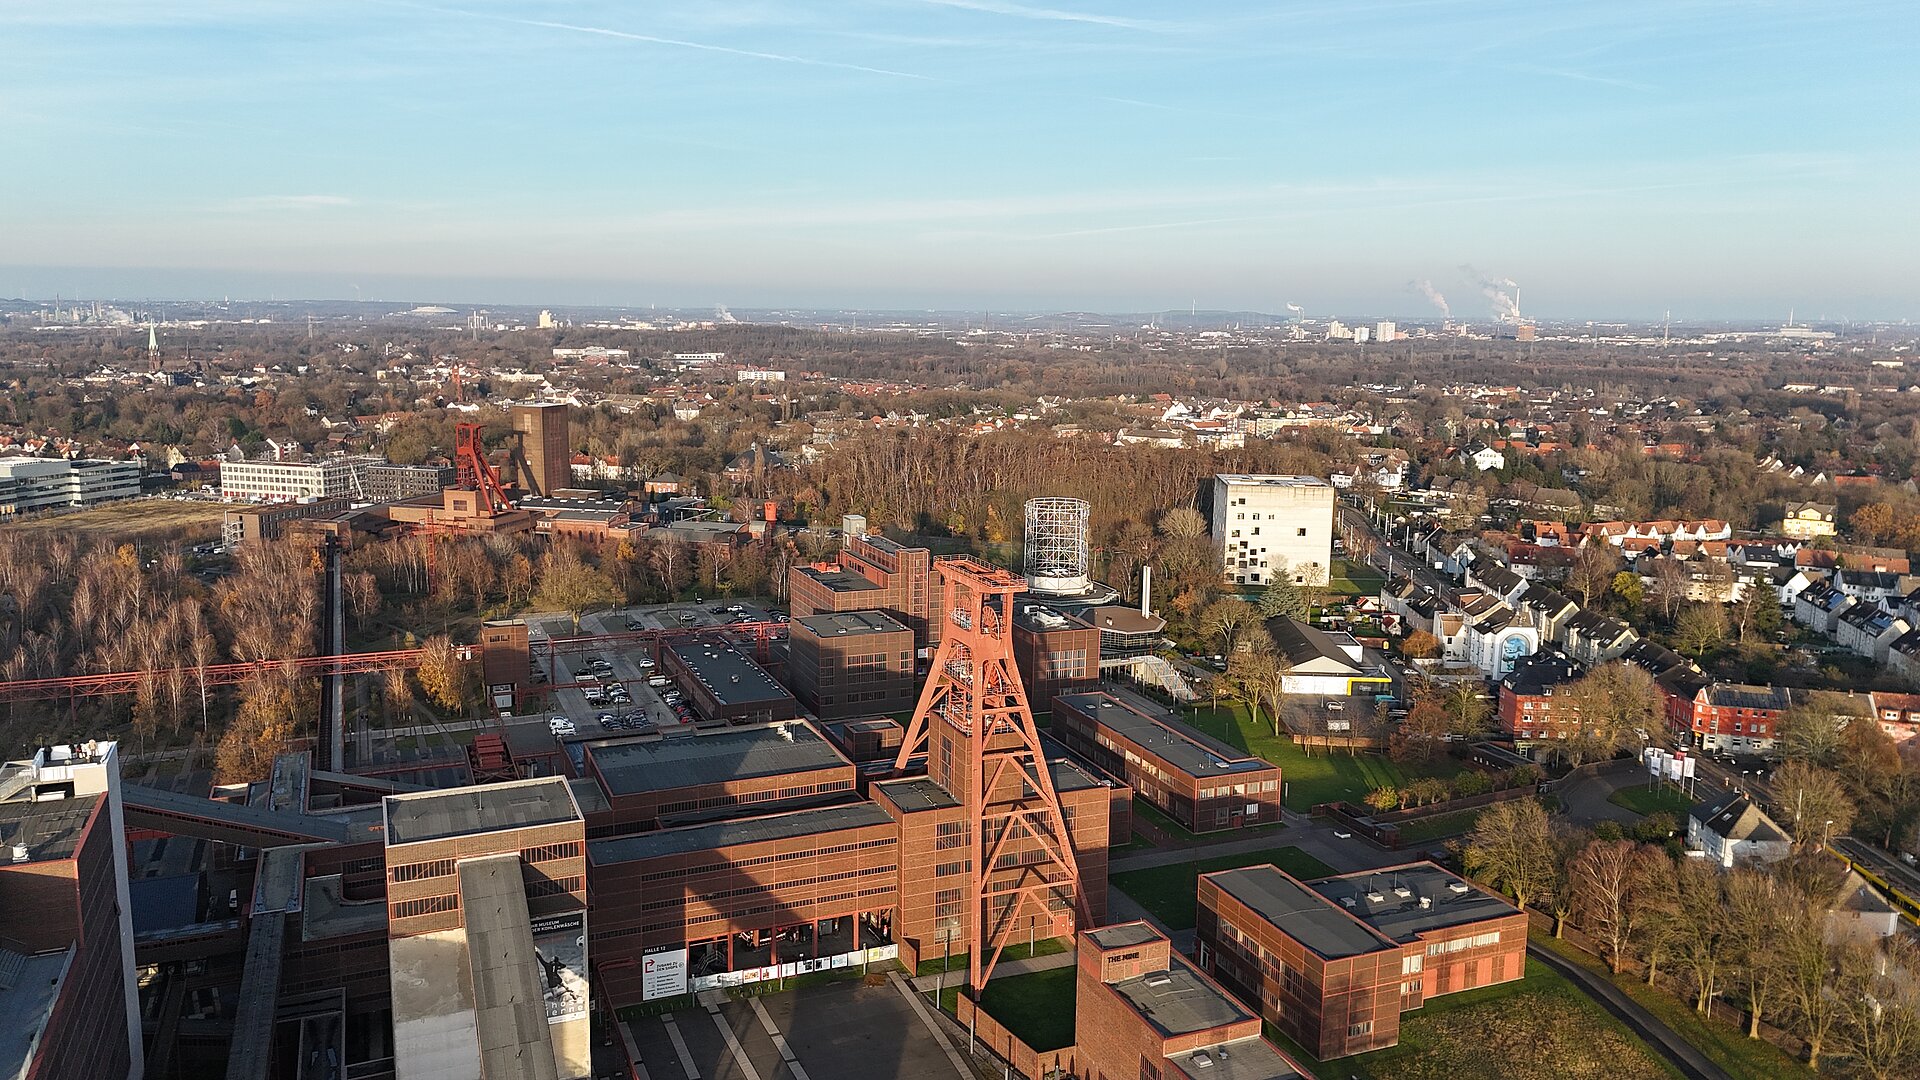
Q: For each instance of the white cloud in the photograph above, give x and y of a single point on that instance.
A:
(1023, 11)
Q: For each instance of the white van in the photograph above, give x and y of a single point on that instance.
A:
(657, 681)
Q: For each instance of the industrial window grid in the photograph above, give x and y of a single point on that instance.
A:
(555, 887)
(1459, 944)
(759, 890)
(767, 860)
(769, 795)
(742, 913)
(426, 905)
(551, 852)
(422, 870)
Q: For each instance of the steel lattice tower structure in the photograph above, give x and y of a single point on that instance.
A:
(976, 729)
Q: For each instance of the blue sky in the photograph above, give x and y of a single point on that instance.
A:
(1619, 159)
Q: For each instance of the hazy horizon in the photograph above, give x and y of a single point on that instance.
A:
(1619, 160)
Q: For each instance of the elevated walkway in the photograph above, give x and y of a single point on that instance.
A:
(1156, 672)
(248, 826)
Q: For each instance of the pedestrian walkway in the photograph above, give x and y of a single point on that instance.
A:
(1684, 1055)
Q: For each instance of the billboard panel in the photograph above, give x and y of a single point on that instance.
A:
(560, 943)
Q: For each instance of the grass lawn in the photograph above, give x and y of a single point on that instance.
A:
(1728, 1046)
(1311, 778)
(1538, 1028)
(1014, 951)
(1037, 1007)
(133, 518)
(1350, 577)
(1168, 891)
(1439, 826)
(1644, 800)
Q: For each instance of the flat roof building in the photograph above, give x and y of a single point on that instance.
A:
(1335, 961)
(650, 782)
(851, 664)
(1267, 526)
(1195, 779)
(724, 683)
(28, 484)
(872, 573)
(1056, 653)
(487, 928)
(69, 1004)
(1141, 1009)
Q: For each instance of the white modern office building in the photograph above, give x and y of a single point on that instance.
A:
(1265, 526)
(343, 476)
(28, 484)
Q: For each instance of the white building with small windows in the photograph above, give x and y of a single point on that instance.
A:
(1265, 526)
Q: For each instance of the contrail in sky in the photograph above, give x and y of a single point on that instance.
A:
(624, 35)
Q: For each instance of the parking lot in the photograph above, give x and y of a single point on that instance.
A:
(846, 1030)
(646, 708)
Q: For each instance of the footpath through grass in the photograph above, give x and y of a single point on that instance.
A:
(1644, 800)
(1726, 1045)
(934, 965)
(1540, 1027)
(1168, 891)
(1310, 778)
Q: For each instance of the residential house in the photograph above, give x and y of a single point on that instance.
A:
(1593, 638)
(1869, 630)
(1532, 699)
(1808, 520)
(1731, 830)
(1546, 610)
(1898, 714)
(1321, 663)
(1872, 586)
(1819, 606)
(1726, 716)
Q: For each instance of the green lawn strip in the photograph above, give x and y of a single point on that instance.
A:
(933, 965)
(1726, 1045)
(1644, 800)
(1313, 778)
(1168, 891)
(1439, 826)
(1539, 1026)
(1037, 1008)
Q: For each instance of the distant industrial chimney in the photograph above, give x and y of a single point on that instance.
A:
(1146, 590)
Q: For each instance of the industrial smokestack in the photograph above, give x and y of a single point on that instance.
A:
(1146, 590)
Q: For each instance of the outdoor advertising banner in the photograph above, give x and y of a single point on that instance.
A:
(560, 942)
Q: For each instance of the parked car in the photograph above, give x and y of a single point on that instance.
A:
(636, 624)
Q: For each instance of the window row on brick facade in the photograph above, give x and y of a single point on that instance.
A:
(757, 890)
(767, 860)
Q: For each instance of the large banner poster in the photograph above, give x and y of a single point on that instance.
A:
(560, 943)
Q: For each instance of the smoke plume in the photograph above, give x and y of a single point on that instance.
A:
(1296, 309)
(1425, 288)
(1506, 305)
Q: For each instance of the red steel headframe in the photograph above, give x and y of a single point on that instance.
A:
(974, 693)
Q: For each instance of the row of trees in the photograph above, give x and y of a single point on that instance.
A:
(1764, 939)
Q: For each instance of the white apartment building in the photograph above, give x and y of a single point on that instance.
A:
(28, 484)
(1266, 525)
(342, 475)
(1385, 331)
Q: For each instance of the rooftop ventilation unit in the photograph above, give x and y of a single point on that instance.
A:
(19, 853)
(1457, 887)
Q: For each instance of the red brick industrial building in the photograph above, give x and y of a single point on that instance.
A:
(872, 573)
(1197, 780)
(1334, 962)
(851, 664)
